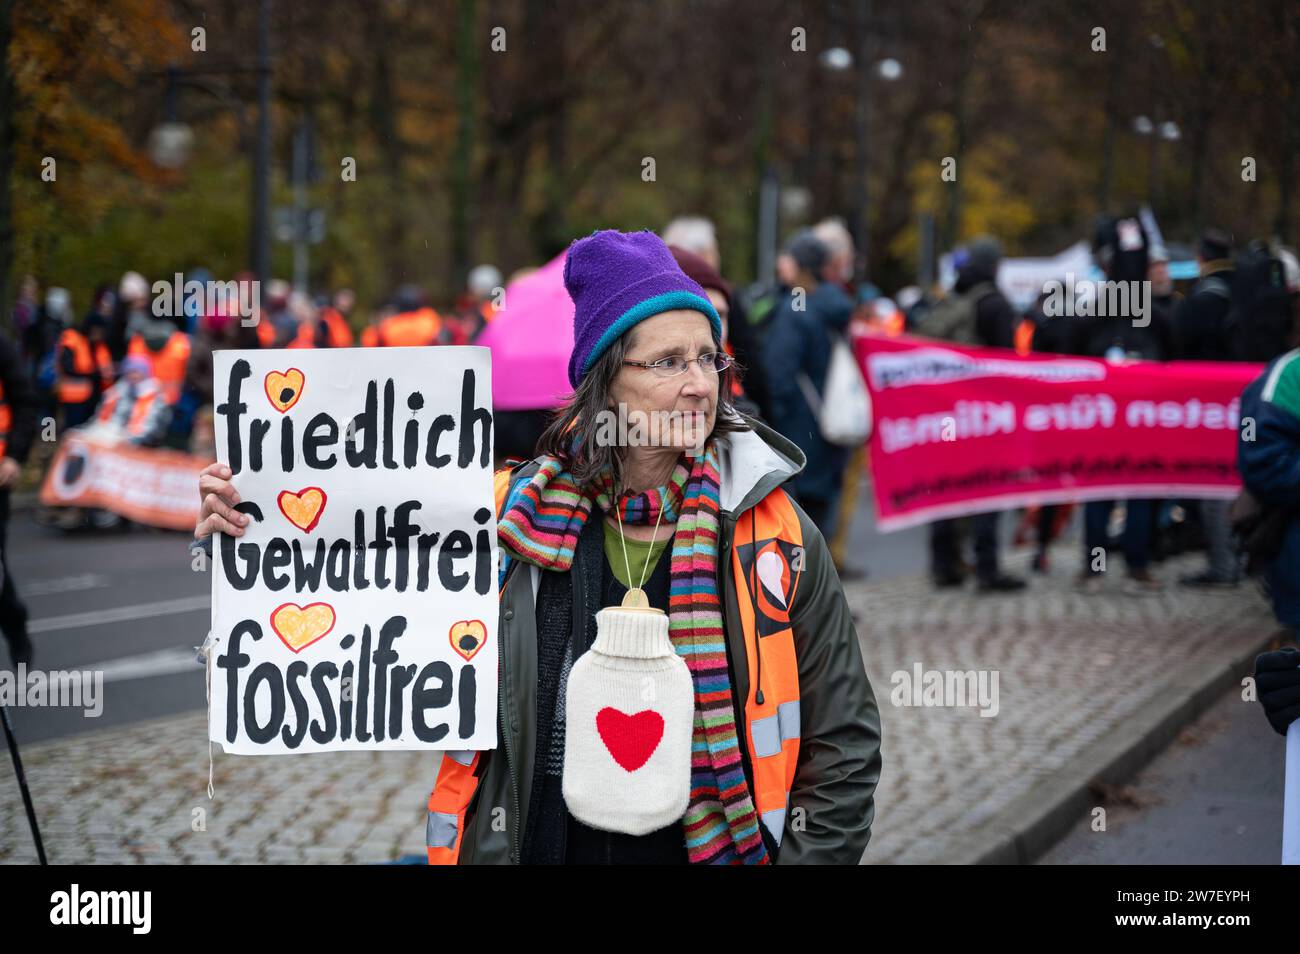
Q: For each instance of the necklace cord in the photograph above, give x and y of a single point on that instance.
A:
(627, 566)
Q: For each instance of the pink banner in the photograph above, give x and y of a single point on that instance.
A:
(962, 430)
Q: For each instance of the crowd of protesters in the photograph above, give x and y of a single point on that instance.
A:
(147, 378)
(144, 375)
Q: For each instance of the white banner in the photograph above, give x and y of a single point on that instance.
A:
(358, 609)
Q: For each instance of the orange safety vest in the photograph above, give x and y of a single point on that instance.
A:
(104, 358)
(266, 334)
(306, 336)
(771, 729)
(168, 364)
(1024, 336)
(338, 333)
(139, 411)
(410, 329)
(78, 387)
(370, 337)
(6, 420)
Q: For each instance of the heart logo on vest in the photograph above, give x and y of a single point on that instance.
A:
(304, 508)
(283, 388)
(631, 739)
(300, 626)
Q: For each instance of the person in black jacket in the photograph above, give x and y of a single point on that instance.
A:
(1202, 319)
(1204, 335)
(1122, 251)
(18, 406)
(995, 323)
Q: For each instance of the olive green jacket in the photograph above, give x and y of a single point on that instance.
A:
(832, 801)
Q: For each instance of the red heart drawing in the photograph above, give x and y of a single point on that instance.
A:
(631, 739)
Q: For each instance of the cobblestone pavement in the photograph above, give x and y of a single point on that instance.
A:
(1072, 667)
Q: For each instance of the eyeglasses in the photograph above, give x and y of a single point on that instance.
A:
(675, 364)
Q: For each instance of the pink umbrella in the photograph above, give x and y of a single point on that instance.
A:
(531, 339)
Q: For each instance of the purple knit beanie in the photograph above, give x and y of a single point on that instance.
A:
(617, 279)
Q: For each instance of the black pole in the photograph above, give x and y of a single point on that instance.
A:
(22, 784)
(862, 128)
(260, 244)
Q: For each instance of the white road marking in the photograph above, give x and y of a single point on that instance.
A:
(119, 614)
(64, 584)
(162, 662)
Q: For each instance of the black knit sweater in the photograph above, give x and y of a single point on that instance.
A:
(552, 835)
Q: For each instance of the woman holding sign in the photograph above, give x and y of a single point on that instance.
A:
(681, 681)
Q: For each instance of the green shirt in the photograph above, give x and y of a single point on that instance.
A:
(638, 551)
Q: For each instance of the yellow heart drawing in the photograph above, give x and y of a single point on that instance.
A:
(303, 508)
(467, 637)
(284, 388)
(300, 626)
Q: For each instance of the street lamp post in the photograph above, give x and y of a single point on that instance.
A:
(1155, 133)
(260, 252)
(837, 59)
(171, 141)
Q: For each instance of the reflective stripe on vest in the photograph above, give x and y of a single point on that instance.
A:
(771, 729)
(452, 792)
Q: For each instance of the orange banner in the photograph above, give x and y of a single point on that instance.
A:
(148, 485)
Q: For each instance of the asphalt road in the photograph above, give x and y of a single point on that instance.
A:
(1213, 796)
(127, 603)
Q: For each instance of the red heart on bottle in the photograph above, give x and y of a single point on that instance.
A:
(631, 739)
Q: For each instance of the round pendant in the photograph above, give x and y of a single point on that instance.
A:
(635, 598)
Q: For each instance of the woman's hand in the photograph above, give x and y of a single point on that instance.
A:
(218, 498)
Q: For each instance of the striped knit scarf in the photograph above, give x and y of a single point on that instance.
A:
(542, 527)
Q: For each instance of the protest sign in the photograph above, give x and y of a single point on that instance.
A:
(358, 609)
(964, 430)
(149, 485)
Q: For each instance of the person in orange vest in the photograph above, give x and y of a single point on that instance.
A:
(167, 350)
(743, 628)
(18, 418)
(95, 326)
(414, 325)
(335, 330)
(135, 408)
(370, 334)
(304, 317)
(78, 363)
(476, 306)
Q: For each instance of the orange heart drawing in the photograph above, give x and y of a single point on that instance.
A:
(303, 508)
(284, 388)
(467, 637)
(300, 626)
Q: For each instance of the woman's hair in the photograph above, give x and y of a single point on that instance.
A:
(580, 413)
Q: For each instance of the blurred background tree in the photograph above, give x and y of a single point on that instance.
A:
(499, 130)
